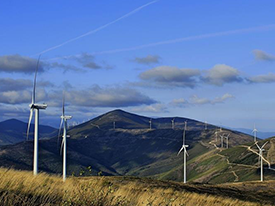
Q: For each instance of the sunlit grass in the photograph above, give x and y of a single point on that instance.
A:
(22, 188)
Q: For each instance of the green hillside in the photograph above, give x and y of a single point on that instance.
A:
(132, 149)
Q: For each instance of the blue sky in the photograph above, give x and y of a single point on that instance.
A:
(223, 78)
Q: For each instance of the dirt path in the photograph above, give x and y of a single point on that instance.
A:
(232, 164)
(230, 167)
(236, 176)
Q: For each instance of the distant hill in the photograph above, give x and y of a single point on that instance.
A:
(13, 131)
(133, 149)
(262, 135)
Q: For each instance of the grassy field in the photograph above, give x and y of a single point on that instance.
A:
(22, 188)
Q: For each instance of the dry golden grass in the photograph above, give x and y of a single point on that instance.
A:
(22, 188)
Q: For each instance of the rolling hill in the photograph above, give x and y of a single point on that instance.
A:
(13, 131)
(132, 149)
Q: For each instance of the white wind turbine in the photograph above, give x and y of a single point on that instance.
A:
(184, 146)
(173, 123)
(64, 119)
(254, 131)
(216, 134)
(261, 149)
(227, 137)
(222, 140)
(114, 125)
(35, 107)
(205, 125)
(150, 124)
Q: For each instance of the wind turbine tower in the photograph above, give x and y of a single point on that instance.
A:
(261, 149)
(254, 131)
(114, 125)
(216, 135)
(221, 140)
(35, 107)
(183, 148)
(64, 119)
(227, 138)
(205, 125)
(173, 123)
(150, 124)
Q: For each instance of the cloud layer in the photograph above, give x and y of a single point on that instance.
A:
(195, 100)
(97, 96)
(171, 76)
(18, 63)
(23, 64)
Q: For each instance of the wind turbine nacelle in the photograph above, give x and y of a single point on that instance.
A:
(66, 117)
(38, 106)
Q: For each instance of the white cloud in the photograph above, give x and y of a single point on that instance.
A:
(154, 108)
(222, 99)
(18, 63)
(221, 74)
(261, 55)
(150, 59)
(265, 78)
(195, 100)
(97, 96)
(171, 76)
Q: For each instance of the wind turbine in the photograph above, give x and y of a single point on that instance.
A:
(254, 131)
(184, 146)
(35, 107)
(221, 140)
(227, 137)
(64, 119)
(173, 123)
(114, 125)
(205, 125)
(261, 149)
(150, 124)
(216, 134)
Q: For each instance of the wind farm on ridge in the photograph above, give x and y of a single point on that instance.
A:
(149, 103)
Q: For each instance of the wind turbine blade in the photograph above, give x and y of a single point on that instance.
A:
(59, 131)
(264, 144)
(257, 145)
(180, 150)
(186, 151)
(29, 124)
(34, 82)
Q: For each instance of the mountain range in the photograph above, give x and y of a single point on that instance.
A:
(133, 149)
(13, 131)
